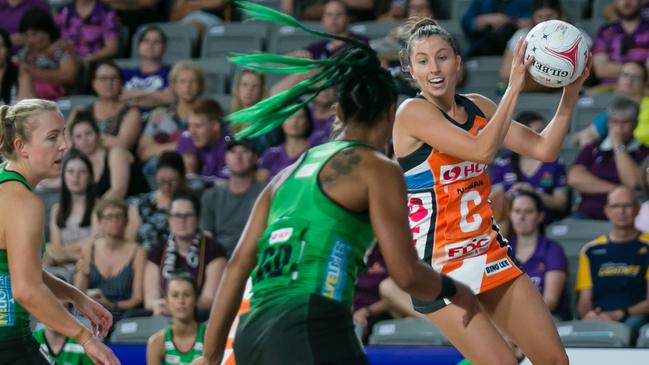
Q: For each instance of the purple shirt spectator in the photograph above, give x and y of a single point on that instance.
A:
(88, 34)
(322, 49)
(213, 250)
(367, 286)
(599, 159)
(212, 159)
(321, 128)
(548, 256)
(274, 159)
(549, 177)
(622, 47)
(11, 15)
(134, 78)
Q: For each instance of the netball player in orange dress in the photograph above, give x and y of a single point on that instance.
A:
(444, 142)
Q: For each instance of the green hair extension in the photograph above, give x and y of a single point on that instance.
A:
(270, 113)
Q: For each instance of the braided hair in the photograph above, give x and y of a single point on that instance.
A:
(365, 89)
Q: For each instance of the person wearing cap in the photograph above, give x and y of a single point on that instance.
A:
(203, 144)
(228, 204)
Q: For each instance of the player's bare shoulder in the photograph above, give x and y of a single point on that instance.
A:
(486, 105)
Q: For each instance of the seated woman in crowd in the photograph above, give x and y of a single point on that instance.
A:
(295, 132)
(111, 268)
(187, 249)
(8, 71)
(165, 124)
(92, 26)
(543, 260)
(248, 88)
(117, 174)
(514, 172)
(71, 219)
(182, 339)
(149, 212)
(119, 124)
(632, 84)
(47, 64)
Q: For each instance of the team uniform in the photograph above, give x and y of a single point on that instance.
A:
(17, 346)
(72, 353)
(173, 356)
(303, 285)
(450, 217)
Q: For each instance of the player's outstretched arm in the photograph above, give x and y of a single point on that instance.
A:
(228, 296)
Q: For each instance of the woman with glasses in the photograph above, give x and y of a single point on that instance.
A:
(148, 212)
(187, 249)
(119, 123)
(111, 268)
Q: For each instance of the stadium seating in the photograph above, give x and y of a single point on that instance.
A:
(594, 334)
(68, 103)
(407, 332)
(286, 39)
(181, 40)
(218, 72)
(374, 30)
(482, 75)
(588, 108)
(233, 37)
(643, 336)
(542, 103)
(458, 9)
(137, 329)
(224, 101)
(574, 233)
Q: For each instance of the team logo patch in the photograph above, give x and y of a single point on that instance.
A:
(468, 248)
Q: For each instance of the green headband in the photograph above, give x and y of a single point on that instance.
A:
(270, 113)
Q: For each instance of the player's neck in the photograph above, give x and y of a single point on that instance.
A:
(184, 327)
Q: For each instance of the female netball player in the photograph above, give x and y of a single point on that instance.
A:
(312, 225)
(444, 142)
(32, 140)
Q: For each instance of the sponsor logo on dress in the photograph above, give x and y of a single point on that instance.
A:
(335, 271)
(7, 303)
(497, 266)
(469, 248)
(280, 235)
(461, 171)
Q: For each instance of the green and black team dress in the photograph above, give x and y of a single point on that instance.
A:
(303, 285)
(72, 353)
(17, 346)
(173, 356)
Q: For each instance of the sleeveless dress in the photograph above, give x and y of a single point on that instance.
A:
(173, 356)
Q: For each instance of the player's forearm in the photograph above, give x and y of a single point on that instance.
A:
(554, 133)
(63, 291)
(224, 309)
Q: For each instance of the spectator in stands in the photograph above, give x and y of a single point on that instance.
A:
(8, 71)
(614, 268)
(60, 349)
(543, 260)
(513, 172)
(149, 212)
(489, 24)
(47, 64)
(335, 20)
(92, 27)
(203, 144)
(146, 86)
(187, 249)
(601, 166)
(229, 203)
(405, 9)
(71, 219)
(642, 220)
(295, 132)
(119, 124)
(181, 339)
(166, 124)
(117, 174)
(201, 14)
(134, 13)
(111, 268)
(542, 10)
(621, 41)
(248, 88)
(631, 84)
(12, 11)
(611, 15)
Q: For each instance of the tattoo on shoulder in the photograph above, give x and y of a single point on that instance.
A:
(341, 165)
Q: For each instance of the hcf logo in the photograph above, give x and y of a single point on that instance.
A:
(461, 171)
